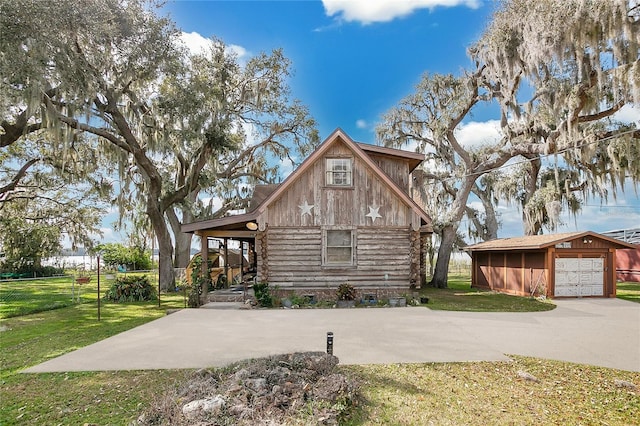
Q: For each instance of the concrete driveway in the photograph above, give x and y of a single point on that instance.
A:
(602, 332)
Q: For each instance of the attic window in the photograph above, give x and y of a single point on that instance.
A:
(338, 172)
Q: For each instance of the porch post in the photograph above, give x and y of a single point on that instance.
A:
(226, 259)
(241, 261)
(204, 270)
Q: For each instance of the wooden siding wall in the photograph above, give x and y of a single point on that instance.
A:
(295, 259)
(335, 205)
(397, 169)
(509, 272)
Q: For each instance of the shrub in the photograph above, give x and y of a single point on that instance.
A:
(131, 289)
(195, 287)
(133, 258)
(193, 300)
(346, 292)
(263, 294)
(49, 271)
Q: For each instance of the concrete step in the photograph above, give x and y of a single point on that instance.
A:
(226, 297)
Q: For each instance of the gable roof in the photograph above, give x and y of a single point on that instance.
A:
(260, 193)
(533, 242)
(338, 134)
(268, 194)
(413, 158)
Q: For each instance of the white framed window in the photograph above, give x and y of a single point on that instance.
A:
(339, 247)
(338, 172)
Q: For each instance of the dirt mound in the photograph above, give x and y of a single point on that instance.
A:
(299, 388)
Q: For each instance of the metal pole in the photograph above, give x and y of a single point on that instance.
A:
(330, 343)
(98, 286)
(153, 250)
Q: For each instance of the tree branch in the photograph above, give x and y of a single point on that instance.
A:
(16, 179)
(602, 114)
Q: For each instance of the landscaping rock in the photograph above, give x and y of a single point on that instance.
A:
(624, 384)
(258, 386)
(274, 390)
(195, 409)
(528, 377)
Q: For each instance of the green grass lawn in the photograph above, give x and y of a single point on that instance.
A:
(628, 291)
(75, 398)
(22, 297)
(493, 393)
(461, 297)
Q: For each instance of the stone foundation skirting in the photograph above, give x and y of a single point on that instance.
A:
(329, 294)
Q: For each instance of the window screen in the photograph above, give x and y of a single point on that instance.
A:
(339, 247)
(338, 171)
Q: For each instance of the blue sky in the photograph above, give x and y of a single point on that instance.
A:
(347, 72)
(353, 60)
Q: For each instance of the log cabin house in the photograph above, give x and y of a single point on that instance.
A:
(345, 215)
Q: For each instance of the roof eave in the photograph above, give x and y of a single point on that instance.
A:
(189, 228)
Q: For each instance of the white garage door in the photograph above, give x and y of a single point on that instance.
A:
(579, 277)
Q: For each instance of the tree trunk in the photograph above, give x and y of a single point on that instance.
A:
(440, 274)
(165, 246)
(487, 230)
(491, 221)
(431, 254)
(182, 240)
(530, 188)
(450, 232)
(183, 249)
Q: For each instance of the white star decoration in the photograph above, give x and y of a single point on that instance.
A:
(373, 213)
(305, 208)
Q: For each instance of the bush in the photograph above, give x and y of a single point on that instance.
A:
(131, 289)
(346, 292)
(133, 258)
(263, 295)
(49, 271)
(194, 288)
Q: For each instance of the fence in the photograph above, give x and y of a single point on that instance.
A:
(30, 295)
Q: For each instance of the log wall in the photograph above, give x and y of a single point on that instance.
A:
(295, 259)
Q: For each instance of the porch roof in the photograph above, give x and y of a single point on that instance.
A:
(225, 227)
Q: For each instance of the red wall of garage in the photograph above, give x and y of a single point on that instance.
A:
(628, 265)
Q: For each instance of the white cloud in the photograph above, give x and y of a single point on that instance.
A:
(215, 202)
(476, 134)
(240, 52)
(411, 146)
(369, 11)
(628, 114)
(361, 124)
(285, 167)
(198, 45)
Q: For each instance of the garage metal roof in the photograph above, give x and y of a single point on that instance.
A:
(534, 242)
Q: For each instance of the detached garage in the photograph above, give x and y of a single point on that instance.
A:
(575, 264)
